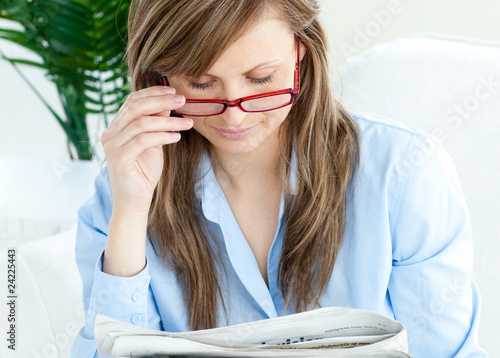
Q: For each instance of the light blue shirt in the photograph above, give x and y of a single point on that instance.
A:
(407, 252)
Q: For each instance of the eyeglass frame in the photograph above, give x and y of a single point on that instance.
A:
(237, 102)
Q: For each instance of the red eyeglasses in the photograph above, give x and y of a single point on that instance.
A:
(262, 102)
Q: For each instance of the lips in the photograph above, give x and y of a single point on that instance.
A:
(233, 131)
(235, 134)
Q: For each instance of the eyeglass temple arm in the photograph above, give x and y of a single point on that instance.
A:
(297, 68)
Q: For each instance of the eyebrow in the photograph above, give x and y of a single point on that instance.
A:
(262, 65)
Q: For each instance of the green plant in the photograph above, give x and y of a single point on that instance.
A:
(81, 44)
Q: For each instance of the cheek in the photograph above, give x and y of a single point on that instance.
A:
(278, 116)
(199, 124)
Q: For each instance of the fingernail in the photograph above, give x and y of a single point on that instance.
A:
(169, 90)
(186, 121)
(178, 99)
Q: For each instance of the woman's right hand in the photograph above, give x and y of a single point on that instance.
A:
(133, 146)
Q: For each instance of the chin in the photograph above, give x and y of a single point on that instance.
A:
(235, 147)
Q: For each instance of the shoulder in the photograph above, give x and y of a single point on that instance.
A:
(398, 160)
(376, 128)
(388, 144)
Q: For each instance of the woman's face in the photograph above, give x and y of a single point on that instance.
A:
(261, 61)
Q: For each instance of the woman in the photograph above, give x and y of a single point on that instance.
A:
(238, 189)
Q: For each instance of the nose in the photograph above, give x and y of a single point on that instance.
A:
(233, 116)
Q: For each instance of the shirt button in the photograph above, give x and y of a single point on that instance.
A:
(137, 297)
(136, 318)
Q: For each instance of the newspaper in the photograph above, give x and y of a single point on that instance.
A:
(323, 332)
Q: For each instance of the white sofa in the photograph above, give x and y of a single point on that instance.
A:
(49, 310)
(416, 79)
(449, 87)
(40, 198)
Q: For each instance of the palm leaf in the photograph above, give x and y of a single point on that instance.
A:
(82, 49)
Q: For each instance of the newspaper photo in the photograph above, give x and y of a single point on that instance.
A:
(323, 332)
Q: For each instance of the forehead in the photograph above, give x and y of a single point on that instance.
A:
(269, 40)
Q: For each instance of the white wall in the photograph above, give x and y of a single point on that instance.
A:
(27, 128)
(354, 25)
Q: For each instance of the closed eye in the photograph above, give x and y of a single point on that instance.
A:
(267, 79)
(200, 86)
(207, 85)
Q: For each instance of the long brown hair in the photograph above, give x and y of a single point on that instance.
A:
(187, 36)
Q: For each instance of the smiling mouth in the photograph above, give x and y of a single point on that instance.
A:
(235, 134)
(234, 131)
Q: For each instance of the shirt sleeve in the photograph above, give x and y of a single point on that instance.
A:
(430, 287)
(128, 299)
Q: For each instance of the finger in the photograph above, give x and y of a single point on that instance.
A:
(149, 124)
(131, 150)
(141, 107)
(145, 92)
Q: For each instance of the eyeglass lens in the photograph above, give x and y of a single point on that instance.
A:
(253, 105)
